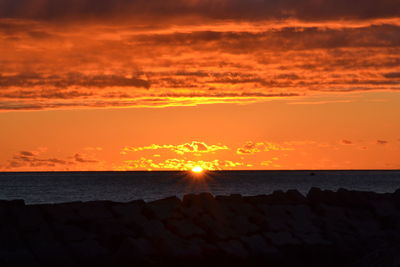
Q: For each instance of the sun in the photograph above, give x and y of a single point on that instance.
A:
(197, 169)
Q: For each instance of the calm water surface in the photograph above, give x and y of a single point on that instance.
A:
(55, 187)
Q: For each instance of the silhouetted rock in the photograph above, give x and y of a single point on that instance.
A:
(162, 209)
(233, 248)
(283, 229)
(133, 251)
(184, 228)
(257, 246)
(281, 238)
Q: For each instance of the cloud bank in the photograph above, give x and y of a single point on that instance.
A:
(63, 54)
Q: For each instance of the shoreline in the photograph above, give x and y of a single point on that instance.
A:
(323, 228)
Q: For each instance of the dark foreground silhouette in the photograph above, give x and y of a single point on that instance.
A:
(324, 228)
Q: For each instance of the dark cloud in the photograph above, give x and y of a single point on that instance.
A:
(213, 9)
(30, 159)
(70, 79)
(293, 38)
(81, 159)
(347, 142)
(44, 94)
(27, 154)
(382, 142)
(392, 75)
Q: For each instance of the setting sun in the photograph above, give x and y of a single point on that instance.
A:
(197, 169)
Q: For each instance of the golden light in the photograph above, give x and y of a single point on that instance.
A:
(197, 169)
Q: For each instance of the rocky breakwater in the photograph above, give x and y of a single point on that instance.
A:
(324, 228)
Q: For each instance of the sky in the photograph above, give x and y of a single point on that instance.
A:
(89, 85)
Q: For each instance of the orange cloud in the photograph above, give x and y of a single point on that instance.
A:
(193, 147)
(103, 64)
(178, 164)
(33, 160)
(251, 148)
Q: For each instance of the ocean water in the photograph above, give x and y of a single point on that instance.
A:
(56, 187)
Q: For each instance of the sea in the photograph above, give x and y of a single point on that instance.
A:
(59, 187)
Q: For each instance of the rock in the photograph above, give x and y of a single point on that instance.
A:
(312, 238)
(155, 230)
(61, 213)
(93, 211)
(233, 248)
(128, 210)
(200, 200)
(28, 218)
(71, 233)
(90, 252)
(281, 238)
(176, 249)
(219, 230)
(20, 257)
(301, 219)
(10, 238)
(134, 251)
(184, 228)
(49, 252)
(162, 209)
(12, 203)
(257, 246)
(242, 226)
(295, 197)
(384, 208)
(276, 218)
(383, 257)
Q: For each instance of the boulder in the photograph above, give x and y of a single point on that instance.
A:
(133, 251)
(71, 233)
(155, 230)
(89, 252)
(162, 209)
(10, 238)
(242, 226)
(176, 249)
(257, 246)
(302, 219)
(19, 257)
(276, 218)
(295, 197)
(61, 213)
(281, 238)
(92, 211)
(383, 257)
(28, 218)
(215, 229)
(233, 248)
(201, 200)
(49, 252)
(184, 228)
(312, 238)
(128, 210)
(12, 203)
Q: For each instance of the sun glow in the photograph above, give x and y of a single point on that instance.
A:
(197, 169)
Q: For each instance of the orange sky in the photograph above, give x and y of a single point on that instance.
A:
(224, 84)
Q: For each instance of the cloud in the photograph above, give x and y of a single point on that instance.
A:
(193, 147)
(382, 142)
(392, 75)
(79, 158)
(251, 148)
(159, 10)
(33, 159)
(26, 80)
(346, 142)
(135, 53)
(178, 164)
